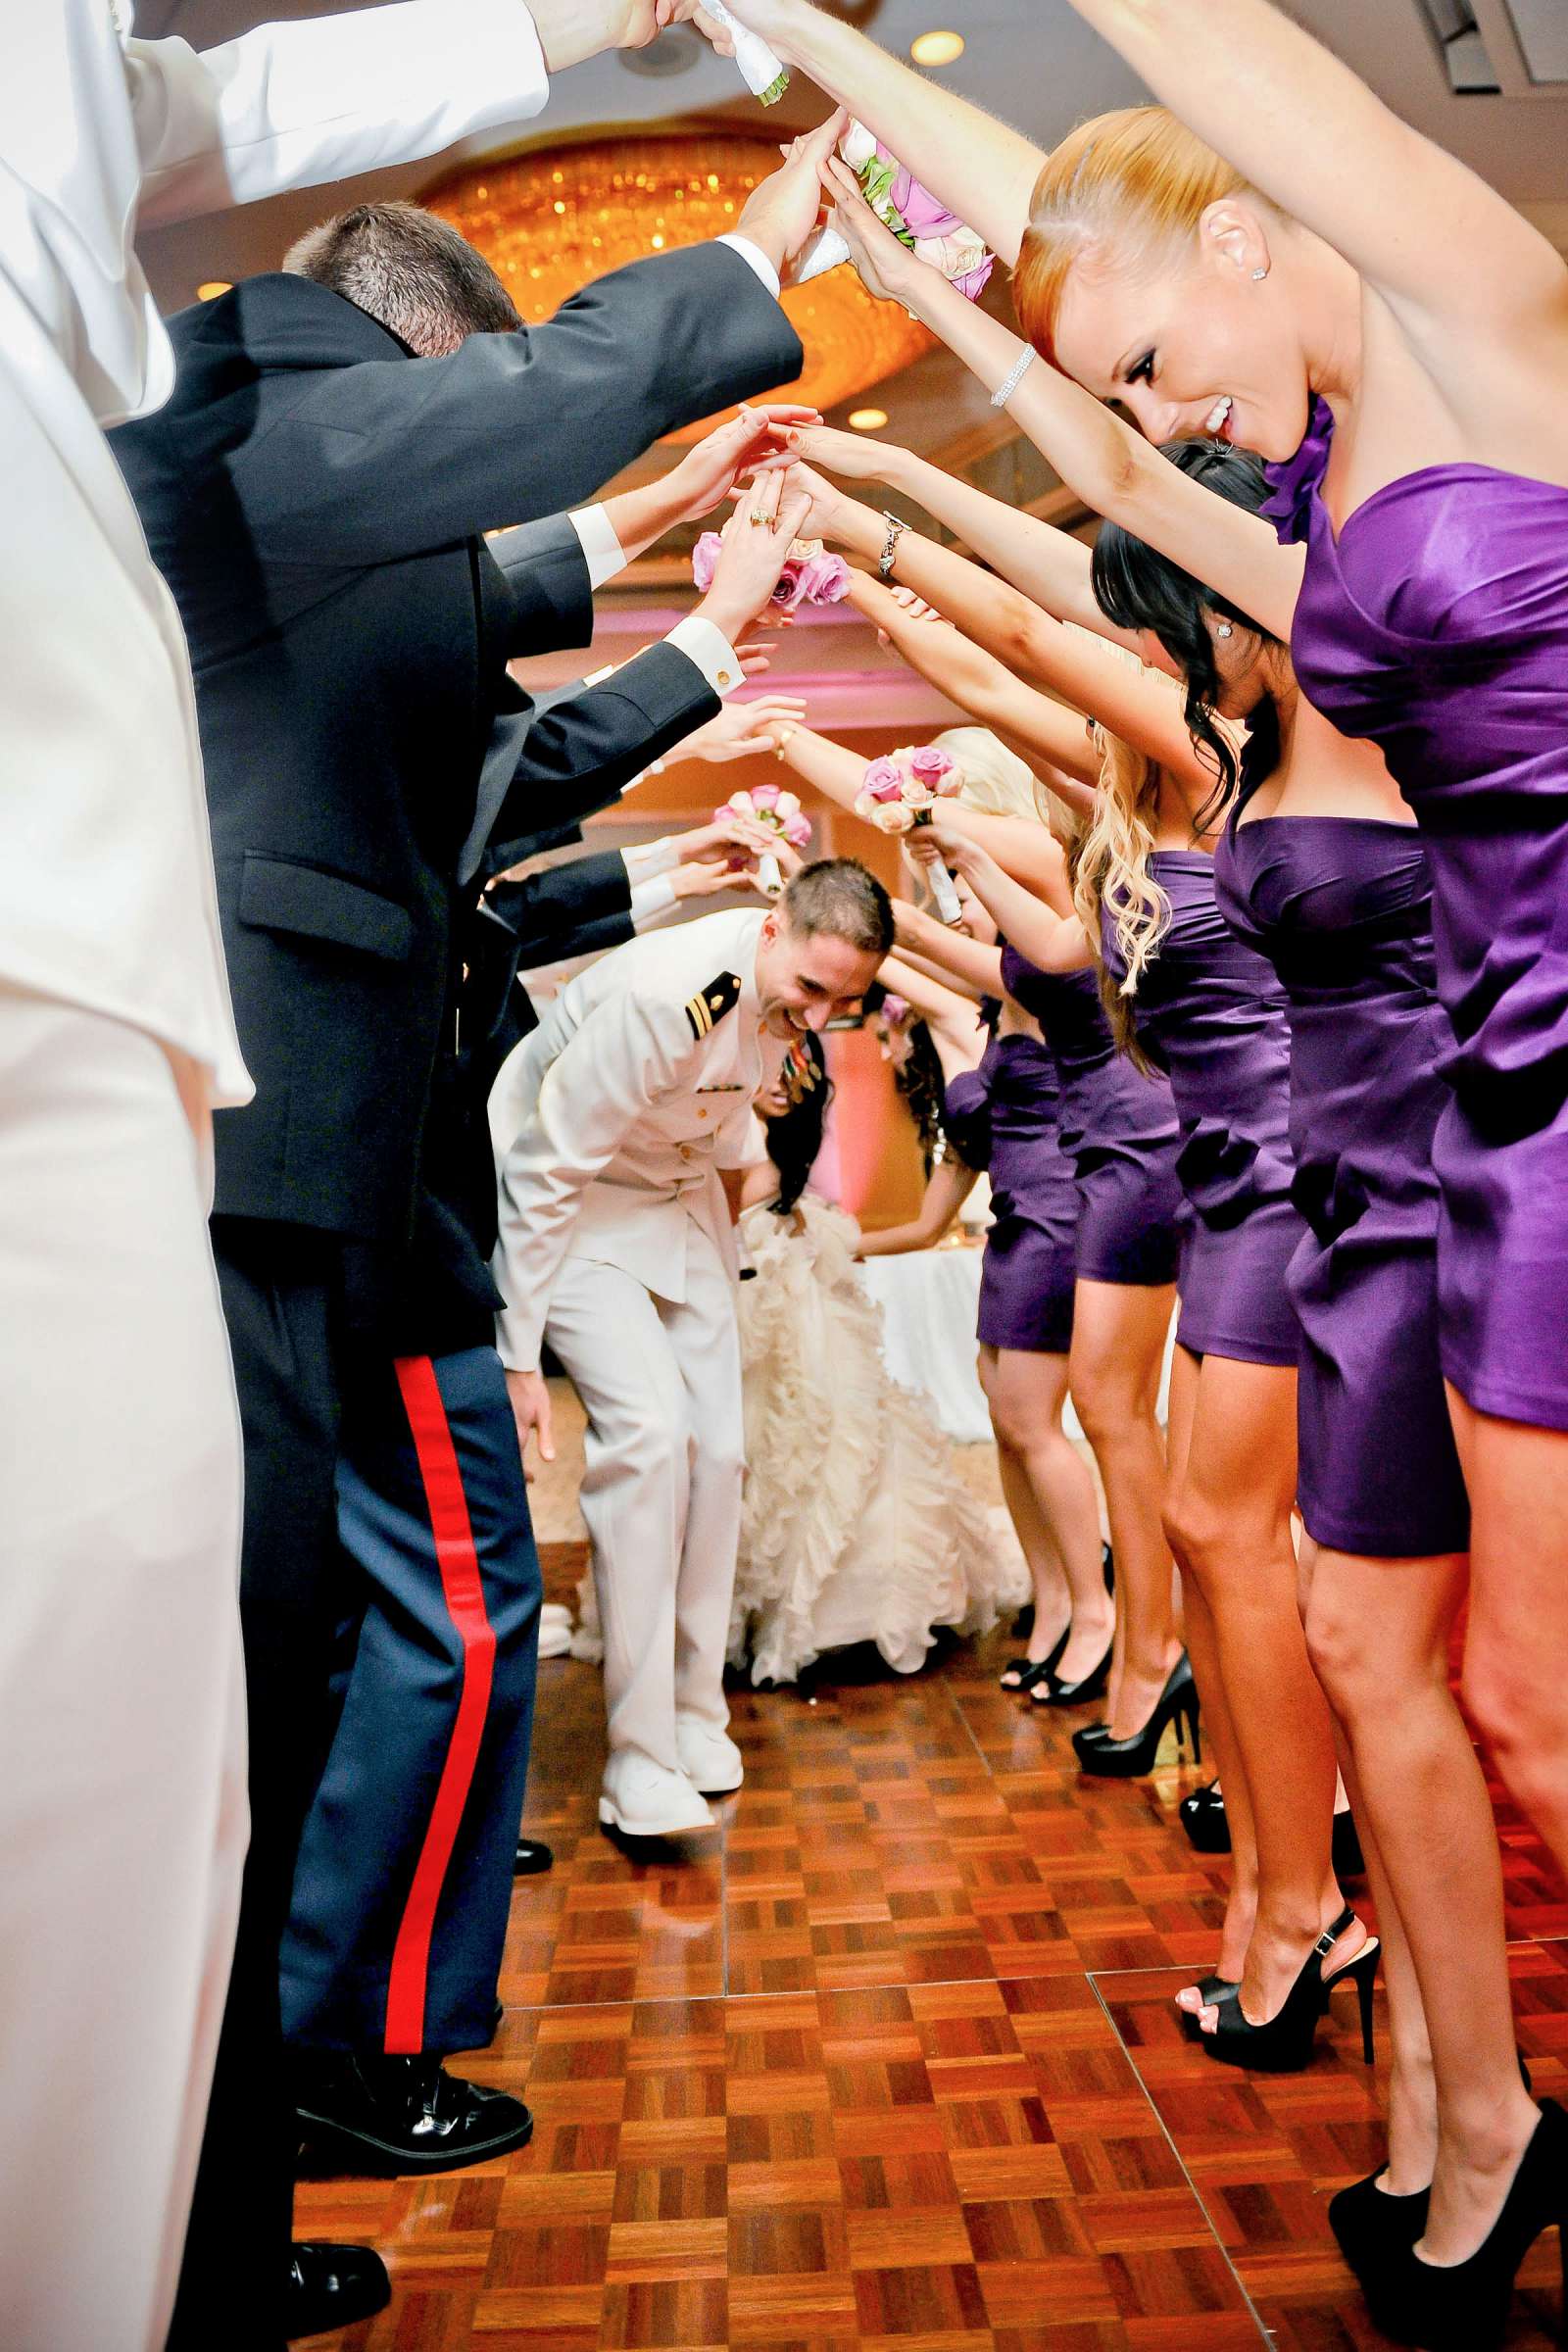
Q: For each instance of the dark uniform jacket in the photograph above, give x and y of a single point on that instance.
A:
(315, 497)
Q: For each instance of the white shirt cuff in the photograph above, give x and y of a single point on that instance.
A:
(602, 551)
(755, 258)
(650, 899)
(711, 651)
(645, 859)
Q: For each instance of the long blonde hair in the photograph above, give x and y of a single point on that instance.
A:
(1135, 173)
(1109, 869)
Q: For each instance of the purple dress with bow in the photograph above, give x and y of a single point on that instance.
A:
(1117, 1126)
(1213, 1015)
(1342, 908)
(1436, 626)
(1003, 1117)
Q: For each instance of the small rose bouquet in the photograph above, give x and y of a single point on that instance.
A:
(775, 812)
(917, 218)
(811, 575)
(899, 793)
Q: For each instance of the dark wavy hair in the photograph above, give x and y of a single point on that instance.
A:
(1138, 588)
(795, 1137)
(919, 1082)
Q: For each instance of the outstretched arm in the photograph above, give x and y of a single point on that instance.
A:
(1057, 942)
(1310, 135)
(1132, 700)
(949, 1188)
(951, 954)
(1048, 564)
(979, 682)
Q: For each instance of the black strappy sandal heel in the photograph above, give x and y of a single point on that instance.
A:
(1283, 2043)
(1032, 1670)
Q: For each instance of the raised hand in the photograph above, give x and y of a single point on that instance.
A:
(707, 474)
(774, 20)
(887, 268)
(753, 547)
(742, 730)
(855, 456)
(780, 216)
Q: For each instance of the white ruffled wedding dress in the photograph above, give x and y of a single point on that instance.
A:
(857, 1526)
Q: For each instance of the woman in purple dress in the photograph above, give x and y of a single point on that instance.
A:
(1406, 300)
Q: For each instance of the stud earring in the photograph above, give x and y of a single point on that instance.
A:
(1259, 275)
(1224, 629)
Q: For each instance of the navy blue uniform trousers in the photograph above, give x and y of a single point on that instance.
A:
(405, 1872)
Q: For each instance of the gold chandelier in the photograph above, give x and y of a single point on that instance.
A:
(550, 223)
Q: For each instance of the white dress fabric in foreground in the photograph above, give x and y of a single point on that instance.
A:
(856, 1524)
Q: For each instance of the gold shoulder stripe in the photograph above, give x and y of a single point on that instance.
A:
(713, 1003)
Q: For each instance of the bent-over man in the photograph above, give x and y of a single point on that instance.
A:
(613, 1122)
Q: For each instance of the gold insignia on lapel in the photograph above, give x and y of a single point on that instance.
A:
(711, 1004)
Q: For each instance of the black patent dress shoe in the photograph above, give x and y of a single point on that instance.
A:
(333, 2287)
(405, 2115)
(1202, 1814)
(533, 1856)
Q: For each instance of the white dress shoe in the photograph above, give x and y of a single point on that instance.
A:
(643, 1799)
(709, 1759)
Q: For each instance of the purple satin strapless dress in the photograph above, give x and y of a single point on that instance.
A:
(1436, 626)
(1003, 1117)
(1117, 1126)
(1211, 1014)
(1342, 908)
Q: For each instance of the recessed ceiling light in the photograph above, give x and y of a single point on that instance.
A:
(937, 48)
(211, 288)
(867, 421)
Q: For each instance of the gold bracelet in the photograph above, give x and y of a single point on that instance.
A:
(784, 736)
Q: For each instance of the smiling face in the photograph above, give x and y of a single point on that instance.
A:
(1197, 348)
(805, 979)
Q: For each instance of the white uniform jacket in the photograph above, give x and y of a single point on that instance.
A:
(106, 887)
(611, 1121)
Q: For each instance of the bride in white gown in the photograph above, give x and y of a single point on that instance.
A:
(856, 1524)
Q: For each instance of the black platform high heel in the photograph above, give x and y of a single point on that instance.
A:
(1464, 2306)
(1370, 2222)
(1125, 1759)
(1283, 2045)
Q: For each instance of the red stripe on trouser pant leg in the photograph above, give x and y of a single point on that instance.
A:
(461, 1583)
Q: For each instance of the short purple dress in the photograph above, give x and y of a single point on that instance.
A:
(1117, 1126)
(1003, 1117)
(1213, 1015)
(1436, 626)
(1342, 908)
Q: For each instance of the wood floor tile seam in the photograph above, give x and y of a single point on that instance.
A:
(1266, 2334)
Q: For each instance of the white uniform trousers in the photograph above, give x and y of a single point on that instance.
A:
(661, 1385)
(123, 1821)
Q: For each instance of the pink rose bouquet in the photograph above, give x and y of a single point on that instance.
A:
(811, 575)
(917, 218)
(775, 812)
(899, 792)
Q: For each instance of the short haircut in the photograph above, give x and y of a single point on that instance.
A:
(838, 898)
(410, 270)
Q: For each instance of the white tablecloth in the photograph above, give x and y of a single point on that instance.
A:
(929, 1302)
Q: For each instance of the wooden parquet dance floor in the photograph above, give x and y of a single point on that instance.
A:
(891, 2066)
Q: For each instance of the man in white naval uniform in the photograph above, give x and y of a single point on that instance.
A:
(613, 1122)
(122, 1818)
